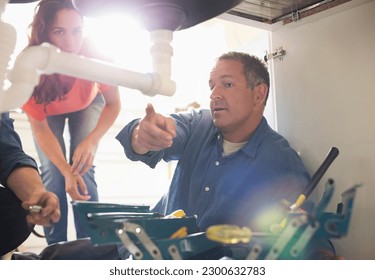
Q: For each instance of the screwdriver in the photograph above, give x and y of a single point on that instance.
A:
(331, 156)
(228, 234)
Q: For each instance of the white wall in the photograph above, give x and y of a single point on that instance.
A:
(325, 97)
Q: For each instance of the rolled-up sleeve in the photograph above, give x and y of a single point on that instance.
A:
(11, 152)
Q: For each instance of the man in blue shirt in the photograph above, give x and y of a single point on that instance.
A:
(21, 187)
(232, 167)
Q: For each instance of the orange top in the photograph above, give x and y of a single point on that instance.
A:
(79, 97)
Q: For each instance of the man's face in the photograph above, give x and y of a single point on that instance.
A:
(232, 101)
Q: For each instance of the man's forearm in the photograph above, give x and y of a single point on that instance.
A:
(25, 181)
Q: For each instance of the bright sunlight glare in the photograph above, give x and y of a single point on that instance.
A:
(122, 39)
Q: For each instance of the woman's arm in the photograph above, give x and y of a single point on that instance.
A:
(50, 146)
(84, 154)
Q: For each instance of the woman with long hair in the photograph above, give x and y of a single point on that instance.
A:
(89, 109)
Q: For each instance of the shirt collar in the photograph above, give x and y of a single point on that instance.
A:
(255, 140)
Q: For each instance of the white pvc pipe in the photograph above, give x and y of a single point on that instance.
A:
(8, 37)
(3, 4)
(47, 59)
(15, 96)
(161, 52)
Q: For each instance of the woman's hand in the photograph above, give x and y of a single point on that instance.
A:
(76, 187)
(83, 157)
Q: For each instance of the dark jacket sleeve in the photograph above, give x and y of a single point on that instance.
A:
(11, 152)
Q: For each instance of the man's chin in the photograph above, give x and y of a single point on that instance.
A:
(217, 122)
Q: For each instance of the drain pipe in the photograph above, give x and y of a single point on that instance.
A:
(8, 37)
(47, 59)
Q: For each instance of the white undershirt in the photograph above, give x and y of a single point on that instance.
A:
(230, 147)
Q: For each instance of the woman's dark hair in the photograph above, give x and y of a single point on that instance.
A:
(49, 87)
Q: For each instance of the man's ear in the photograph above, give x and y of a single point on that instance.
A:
(260, 92)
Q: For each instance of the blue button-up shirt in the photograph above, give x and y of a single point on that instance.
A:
(11, 152)
(245, 188)
(12, 216)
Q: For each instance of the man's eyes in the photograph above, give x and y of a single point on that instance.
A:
(225, 85)
(58, 32)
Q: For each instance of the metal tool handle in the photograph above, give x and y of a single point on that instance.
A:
(332, 154)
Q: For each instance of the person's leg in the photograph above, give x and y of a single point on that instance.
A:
(81, 249)
(81, 124)
(55, 182)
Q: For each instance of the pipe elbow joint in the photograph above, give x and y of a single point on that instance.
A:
(31, 63)
(161, 85)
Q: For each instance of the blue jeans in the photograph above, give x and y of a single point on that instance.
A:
(80, 123)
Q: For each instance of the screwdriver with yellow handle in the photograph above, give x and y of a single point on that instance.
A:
(228, 234)
(331, 156)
